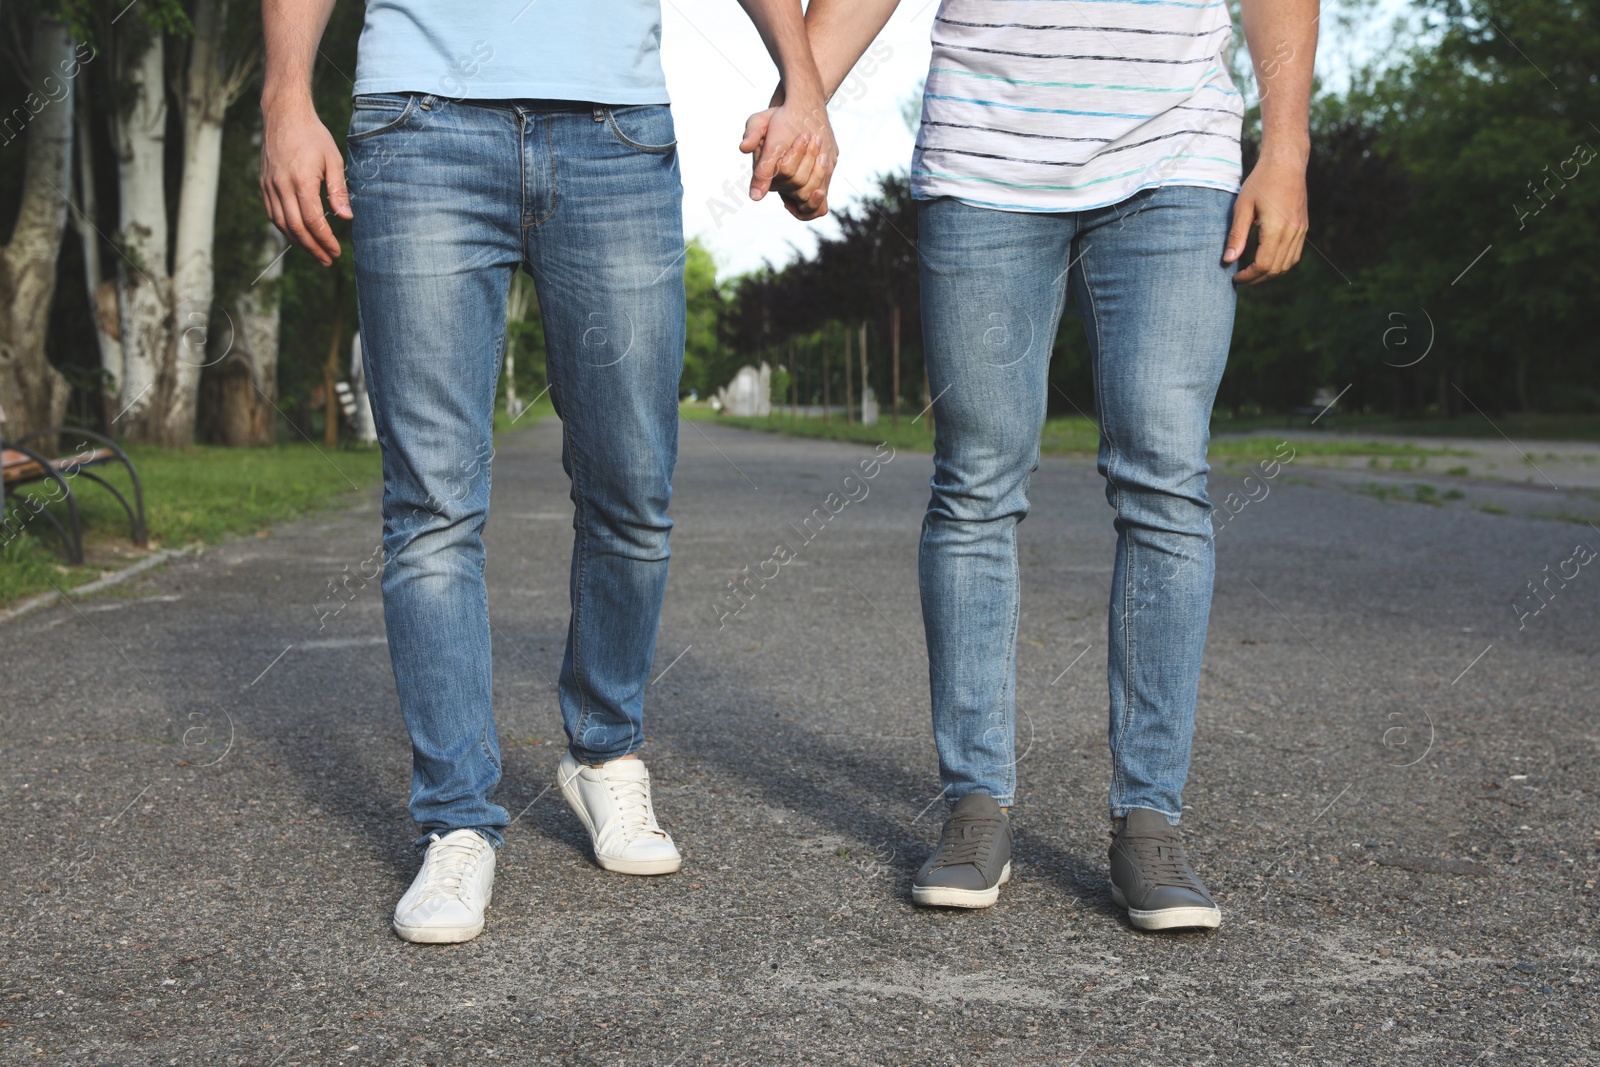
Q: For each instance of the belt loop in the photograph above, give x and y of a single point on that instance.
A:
(599, 113)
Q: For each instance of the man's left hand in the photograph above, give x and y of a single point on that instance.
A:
(1273, 200)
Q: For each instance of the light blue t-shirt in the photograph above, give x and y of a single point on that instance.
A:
(605, 51)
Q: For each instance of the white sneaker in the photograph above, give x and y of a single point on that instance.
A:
(613, 803)
(447, 899)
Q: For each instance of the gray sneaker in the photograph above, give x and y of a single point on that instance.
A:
(973, 858)
(1150, 876)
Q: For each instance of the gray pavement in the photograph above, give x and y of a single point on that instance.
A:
(1392, 797)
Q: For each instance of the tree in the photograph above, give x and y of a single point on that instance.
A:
(703, 368)
(163, 243)
(32, 391)
(239, 388)
(1493, 129)
(863, 274)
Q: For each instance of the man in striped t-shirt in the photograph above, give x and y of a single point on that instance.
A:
(1077, 105)
(1082, 148)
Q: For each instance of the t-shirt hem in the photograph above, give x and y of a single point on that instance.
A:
(587, 94)
(922, 191)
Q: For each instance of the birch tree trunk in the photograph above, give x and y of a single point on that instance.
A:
(102, 293)
(33, 392)
(250, 370)
(143, 288)
(165, 318)
(206, 99)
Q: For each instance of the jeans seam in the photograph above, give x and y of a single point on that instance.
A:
(579, 549)
(487, 751)
(1011, 659)
(581, 552)
(1016, 568)
(1118, 782)
(1099, 379)
(1111, 465)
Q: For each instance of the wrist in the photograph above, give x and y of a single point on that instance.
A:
(802, 88)
(286, 99)
(1286, 151)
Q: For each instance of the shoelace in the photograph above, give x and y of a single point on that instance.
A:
(1160, 859)
(967, 840)
(632, 799)
(448, 864)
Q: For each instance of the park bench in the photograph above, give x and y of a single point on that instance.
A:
(22, 465)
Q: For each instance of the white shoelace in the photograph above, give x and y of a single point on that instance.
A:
(634, 815)
(447, 865)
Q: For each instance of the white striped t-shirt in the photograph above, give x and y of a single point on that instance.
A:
(1066, 105)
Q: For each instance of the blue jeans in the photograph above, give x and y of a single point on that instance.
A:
(450, 199)
(1148, 277)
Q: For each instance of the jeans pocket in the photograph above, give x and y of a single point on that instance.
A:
(648, 127)
(379, 113)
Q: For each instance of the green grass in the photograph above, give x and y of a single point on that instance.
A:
(27, 567)
(1069, 435)
(1384, 493)
(1421, 493)
(1470, 424)
(1335, 435)
(200, 494)
(907, 436)
(1404, 455)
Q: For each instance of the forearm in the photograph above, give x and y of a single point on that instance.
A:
(1282, 37)
(783, 31)
(291, 30)
(840, 31)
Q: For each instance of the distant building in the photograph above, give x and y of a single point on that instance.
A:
(748, 395)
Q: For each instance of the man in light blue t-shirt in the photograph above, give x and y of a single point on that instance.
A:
(488, 138)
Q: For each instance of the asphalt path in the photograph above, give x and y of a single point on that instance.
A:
(1392, 796)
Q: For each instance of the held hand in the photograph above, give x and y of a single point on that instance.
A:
(299, 156)
(1274, 200)
(794, 155)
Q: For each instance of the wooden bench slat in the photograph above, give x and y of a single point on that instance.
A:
(19, 468)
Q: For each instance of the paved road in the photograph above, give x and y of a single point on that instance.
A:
(1392, 795)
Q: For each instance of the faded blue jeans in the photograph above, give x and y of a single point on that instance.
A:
(1157, 300)
(450, 199)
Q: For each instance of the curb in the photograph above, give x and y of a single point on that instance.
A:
(114, 578)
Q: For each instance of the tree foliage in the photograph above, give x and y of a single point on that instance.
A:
(1452, 262)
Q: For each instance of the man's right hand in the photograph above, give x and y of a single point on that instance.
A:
(798, 173)
(298, 157)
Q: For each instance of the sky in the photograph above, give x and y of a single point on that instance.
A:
(718, 73)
